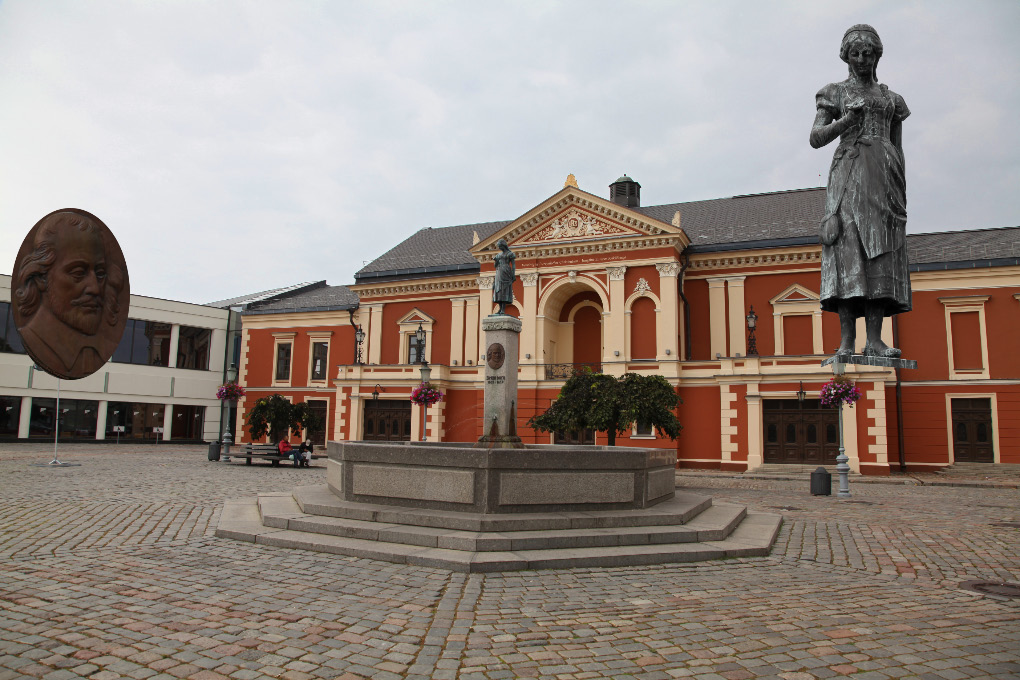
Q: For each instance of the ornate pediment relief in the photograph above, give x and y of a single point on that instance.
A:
(574, 224)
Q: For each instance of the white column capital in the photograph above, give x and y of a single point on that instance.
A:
(529, 279)
(667, 269)
(616, 273)
(486, 282)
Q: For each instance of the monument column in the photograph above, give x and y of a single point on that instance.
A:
(614, 328)
(667, 330)
(502, 338)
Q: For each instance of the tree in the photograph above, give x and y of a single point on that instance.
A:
(611, 405)
(274, 415)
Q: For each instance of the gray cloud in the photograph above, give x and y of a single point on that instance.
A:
(237, 146)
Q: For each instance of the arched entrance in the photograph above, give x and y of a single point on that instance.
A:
(570, 317)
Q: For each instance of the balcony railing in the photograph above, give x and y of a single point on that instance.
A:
(564, 371)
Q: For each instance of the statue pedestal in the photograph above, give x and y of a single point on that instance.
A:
(862, 360)
(502, 339)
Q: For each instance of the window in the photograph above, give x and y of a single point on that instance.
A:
(78, 418)
(10, 416)
(137, 419)
(193, 348)
(967, 337)
(10, 340)
(643, 430)
(283, 361)
(144, 342)
(414, 355)
(320, 359)
(186, 422)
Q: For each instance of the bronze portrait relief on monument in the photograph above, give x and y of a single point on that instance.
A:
(863, 233)
(495, 355)
(70, 293)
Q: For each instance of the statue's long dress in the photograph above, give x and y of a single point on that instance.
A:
(503, 290)
(868, 262)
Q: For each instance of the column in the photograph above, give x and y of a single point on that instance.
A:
(457, 331)
(614, 326)
(168, 422)
(357, 417)
(738, 336)
(26, 417)
(375, 328)
(755, 445)
(175, 338)
(471, 328)
(717, 316)
(816, 332)
(667, 330)
(101, 420)
(529, 333)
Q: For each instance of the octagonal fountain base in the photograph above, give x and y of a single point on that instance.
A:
(467, 509)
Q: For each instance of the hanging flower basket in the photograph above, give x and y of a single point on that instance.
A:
(426, 395)
(840, 390)
(230, 391)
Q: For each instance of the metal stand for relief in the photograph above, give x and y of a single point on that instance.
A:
(839, 363)
(56, 462)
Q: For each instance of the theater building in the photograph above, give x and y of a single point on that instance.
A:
(612, 285)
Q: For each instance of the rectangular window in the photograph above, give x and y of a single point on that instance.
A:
(320, 357)
(966, 329)
(145, 343)
(10, 339)
(283, 362)
(10, 416)
(643, 430)
(137, 419)
(413, 349)
(187, 422)
(193, 348)
(77, 418)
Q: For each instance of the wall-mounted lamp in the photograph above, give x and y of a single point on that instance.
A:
(801, 393)
(376, 391)
(359, 338)
(752, 323)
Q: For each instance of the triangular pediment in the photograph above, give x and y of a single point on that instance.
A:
(573, 217)
(415, 316)
(795, 293)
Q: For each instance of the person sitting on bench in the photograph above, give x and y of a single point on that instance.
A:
(288, 451)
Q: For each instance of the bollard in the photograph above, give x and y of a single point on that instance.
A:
(821, 482)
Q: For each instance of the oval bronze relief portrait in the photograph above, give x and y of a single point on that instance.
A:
(495, 355)
(70, 293)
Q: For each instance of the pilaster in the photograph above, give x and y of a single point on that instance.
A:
(375, 329)
(471, 329)
(457, 306)
(667, 328)
(614, 327)
(529, 331)
(101, 419)
(717, 316)
(735, 295)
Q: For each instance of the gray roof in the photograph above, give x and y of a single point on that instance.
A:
(430, 252)
(965, 248)
(777, 216)
(250, 298)
(319, 299)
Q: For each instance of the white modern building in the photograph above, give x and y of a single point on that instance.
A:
(160, 383)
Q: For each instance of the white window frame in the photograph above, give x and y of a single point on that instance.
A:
(320, 337)
(408, 325)
(966, 303)
(283, 339)
(811, 306)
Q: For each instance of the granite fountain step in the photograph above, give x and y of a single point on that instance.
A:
(699, 531)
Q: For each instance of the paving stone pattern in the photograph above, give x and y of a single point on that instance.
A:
(110, 570)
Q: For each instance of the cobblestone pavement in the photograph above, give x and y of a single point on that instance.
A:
(111, 570)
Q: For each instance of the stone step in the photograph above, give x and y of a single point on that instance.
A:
(982, 470)
(241, 520)
(319, 500)
(715, 523)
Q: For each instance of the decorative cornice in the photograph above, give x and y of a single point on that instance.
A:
(616, 273)
(590, 247)
(806, 256)
(501, 322)
(426, 286)
(529, 279)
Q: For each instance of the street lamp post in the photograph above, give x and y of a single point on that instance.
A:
(752, 323)
(359, 338)
(426, 373)
(228, 438)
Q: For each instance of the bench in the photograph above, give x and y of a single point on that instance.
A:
(265, 452)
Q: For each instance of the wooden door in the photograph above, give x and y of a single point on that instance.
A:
(387, 420)
(972, 431)
(800, 432)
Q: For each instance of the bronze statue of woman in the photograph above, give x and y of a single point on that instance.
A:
(506, 273)
(863, 233)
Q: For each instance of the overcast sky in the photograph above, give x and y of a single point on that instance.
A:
(234, 147)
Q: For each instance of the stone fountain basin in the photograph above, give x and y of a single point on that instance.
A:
(536, 478)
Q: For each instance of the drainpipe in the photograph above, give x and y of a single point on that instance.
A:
(899, 401)
(687, 308)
